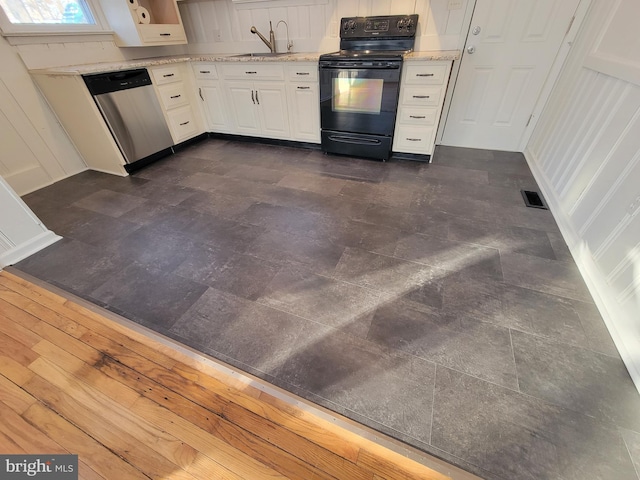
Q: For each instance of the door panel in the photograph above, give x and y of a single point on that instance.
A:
(271, 99)
(514, 45)
(242, 99)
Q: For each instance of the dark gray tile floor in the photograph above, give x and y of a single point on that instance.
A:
(422, 300)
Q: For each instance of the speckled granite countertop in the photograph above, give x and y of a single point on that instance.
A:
(89, 68)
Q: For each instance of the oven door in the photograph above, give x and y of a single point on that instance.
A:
(359, 97)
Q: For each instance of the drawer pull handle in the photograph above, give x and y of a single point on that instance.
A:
(417, 116)
(302, 73)
(424, 74)
(205, 71)
(250, 73)
(165, 34)
(184, 123)
(304, 88)
(168, 75)
(421, 96)
(414, 139)
(175, 96)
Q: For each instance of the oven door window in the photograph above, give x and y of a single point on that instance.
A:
(359, 100)
(357, 95)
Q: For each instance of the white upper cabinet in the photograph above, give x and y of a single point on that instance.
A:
(139, 23)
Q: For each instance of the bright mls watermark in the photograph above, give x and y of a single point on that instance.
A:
(50, 467)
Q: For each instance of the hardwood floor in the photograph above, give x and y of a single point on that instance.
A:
(130, 406)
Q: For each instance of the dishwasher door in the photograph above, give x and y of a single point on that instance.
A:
(136, 121)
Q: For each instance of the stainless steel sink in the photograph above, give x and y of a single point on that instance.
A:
(265, 54)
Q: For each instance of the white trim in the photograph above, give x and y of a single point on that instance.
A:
(33, 245)
(612, 312)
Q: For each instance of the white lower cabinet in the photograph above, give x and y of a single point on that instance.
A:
(211, 97)
(258, 106)
(271, 100)
(173, 86)
(304, 102)
(422, 91)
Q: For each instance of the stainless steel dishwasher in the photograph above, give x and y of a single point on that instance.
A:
(131, 109)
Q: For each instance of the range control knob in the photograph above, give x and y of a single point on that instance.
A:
(352, 24)
(405, 24)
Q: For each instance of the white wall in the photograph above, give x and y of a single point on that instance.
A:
(585, 153)
(220, 26)
(35, 149)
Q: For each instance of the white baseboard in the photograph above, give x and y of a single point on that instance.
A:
(22, 251)
(615, 317)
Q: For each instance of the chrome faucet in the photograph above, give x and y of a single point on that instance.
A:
(289, 43)
(271, 43)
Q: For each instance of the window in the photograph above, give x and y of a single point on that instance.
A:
(48, 16)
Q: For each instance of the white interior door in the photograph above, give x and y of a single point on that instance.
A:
(510, 49)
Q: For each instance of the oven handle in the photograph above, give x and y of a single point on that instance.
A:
(357, 141)
(359, 67)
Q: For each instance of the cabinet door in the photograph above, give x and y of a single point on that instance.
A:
(241, 96)
(305, 112)
(272, 109)
(214, 108)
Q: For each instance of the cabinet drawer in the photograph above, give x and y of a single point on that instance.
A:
(205, 71)
(425, 74)
(253, 71)
(162, 33)
(417, 116)
(429, 96)
(413, 140)
(302, 73)
(182, 123)
(162, 75)
(173, 95)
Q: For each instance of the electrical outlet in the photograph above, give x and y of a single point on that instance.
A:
(634, 206)
(455, 4)
(216, 35)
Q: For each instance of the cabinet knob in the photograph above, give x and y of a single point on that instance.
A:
(471, 49)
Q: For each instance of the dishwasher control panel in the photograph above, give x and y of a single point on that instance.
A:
(114, 81)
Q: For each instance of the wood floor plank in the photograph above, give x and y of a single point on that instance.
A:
(93, 453)
(114, 437)
(393, 466)
(14, 397)
(87, 373)
(131, 407)
(18, 374)
(295, 444)
(25, 435)
(39, 310)
(214, 447)
(110, 410)
(16, 324)
(11, 348)
(9, 447)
